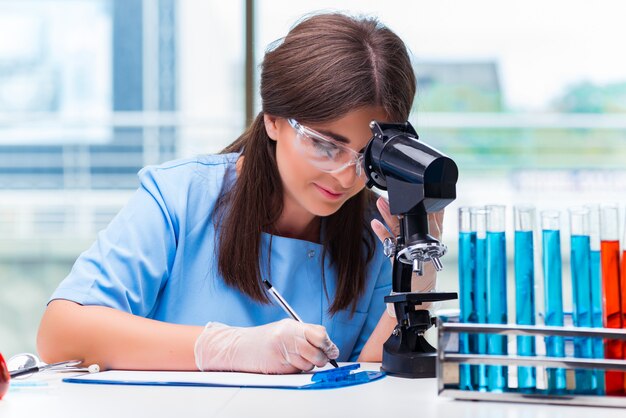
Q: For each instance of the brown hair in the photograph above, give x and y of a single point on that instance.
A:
(327, 66)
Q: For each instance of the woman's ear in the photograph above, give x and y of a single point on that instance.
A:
(271, 126)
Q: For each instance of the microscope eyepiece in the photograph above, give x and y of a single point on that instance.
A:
(414, 172)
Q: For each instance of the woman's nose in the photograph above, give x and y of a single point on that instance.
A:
(347, 177)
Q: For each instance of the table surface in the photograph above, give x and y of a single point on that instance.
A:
(389, 397)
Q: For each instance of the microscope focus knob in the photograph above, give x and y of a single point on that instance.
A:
(389, 247)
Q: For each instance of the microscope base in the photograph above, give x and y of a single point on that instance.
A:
(398, 360)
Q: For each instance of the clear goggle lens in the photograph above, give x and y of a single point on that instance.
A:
(324, 153)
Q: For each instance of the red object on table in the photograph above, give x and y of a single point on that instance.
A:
(5, 377)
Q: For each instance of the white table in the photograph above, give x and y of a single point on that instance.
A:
(388, 397)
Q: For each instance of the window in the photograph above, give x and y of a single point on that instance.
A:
(529, 98)
(90, 92)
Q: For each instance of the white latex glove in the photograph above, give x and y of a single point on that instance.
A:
(285, 346)
(428, 280)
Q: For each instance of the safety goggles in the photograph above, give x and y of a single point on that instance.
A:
(325, 153)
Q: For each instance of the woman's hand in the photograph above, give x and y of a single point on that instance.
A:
(285, 346)
(424, 283)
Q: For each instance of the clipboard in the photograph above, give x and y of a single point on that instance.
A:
(326, 379)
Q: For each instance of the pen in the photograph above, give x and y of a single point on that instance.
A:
(283, 304)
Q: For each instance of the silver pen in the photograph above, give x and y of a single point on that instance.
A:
(283, 304)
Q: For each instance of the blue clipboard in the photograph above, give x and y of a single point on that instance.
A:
(327, 379)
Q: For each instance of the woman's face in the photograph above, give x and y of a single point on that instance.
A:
(308, 188)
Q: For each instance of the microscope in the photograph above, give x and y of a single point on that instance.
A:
(419, 180)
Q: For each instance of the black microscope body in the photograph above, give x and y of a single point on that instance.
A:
(419, 180)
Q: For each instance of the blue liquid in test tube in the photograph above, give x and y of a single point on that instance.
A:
(525, 291)
(496, 292)
(553, 294)
(479, 224)
(596, 291)
(580, 261)
(467, 300)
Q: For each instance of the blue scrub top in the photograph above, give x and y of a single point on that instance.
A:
(157, 259)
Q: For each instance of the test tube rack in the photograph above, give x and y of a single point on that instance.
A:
(449, 359)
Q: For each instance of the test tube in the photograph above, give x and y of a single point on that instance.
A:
(553, 294)
(623, 295)
(596, 290)
(496, 291)
(467, 292)
(609, 256)
(479, 224)
(525, 291)
(580, 262)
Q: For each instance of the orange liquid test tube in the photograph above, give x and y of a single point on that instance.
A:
(611, 286)
(623, 296)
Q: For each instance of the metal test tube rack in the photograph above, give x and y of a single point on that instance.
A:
(448, 375)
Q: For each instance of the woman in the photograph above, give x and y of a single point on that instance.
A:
(176, 279)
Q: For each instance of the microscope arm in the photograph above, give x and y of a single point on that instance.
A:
(401, 283)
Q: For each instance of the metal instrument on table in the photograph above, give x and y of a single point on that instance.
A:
(25, 364)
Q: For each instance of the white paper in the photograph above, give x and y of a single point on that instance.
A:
(208, 378)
